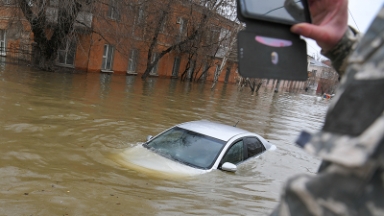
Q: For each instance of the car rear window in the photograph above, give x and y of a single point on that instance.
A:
(254, 146)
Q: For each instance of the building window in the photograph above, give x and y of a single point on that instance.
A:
(132, 62)
(182, 27)
(224, 37)
(113, 11)
(66, 53)
(140, 16)
(107, 57)
(2, 43)
(213, 35)
(176, 66)
(182, 24)
(155, 67)
(163, 27)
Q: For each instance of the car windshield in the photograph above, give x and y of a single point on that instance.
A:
(187, 147)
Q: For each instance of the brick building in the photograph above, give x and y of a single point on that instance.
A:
(114, 36)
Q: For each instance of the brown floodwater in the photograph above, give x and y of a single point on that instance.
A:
(60, 134)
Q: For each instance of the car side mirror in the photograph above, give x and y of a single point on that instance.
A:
(149, 137)
(230, 167)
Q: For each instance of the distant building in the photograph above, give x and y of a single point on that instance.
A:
(322, 78)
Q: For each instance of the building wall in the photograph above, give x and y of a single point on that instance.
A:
(17, 33)
(90, 46)
(91, 60)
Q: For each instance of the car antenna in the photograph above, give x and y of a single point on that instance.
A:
(236, 124)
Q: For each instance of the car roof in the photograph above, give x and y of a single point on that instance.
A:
(213, 129)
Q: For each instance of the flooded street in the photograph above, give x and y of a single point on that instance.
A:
(60, 134)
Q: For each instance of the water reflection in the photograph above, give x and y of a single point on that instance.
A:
(59, 132)
(2, 63)
(105, 81)
(130, 83)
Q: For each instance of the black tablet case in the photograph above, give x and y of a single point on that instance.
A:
(255, 59)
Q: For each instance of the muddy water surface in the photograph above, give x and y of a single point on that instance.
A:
(59, 134)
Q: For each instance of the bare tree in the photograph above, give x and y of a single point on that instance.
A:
(232, 38)
(147, 25)
(227, 38)
(54, 22)
(255, 85)
(115, 22)
(59, 22)
(180, 40)
(193, 27)
(328, 82)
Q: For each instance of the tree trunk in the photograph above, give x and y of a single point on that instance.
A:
(225, 58)
(45, 49)
(194, 34)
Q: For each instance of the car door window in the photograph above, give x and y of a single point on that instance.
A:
(235, 153)
(253, 146)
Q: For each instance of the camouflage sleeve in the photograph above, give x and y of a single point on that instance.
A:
(337, 191)
(339, 54)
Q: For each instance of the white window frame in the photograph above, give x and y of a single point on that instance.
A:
(108, 53)
(140, 16)
(66, 52)
(3, 42)
(132, 61)
(113, 11)
(182, 28)
(163, 28)
(139, 20)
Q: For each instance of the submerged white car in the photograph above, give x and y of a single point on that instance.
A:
(202, 145)
(199, 147)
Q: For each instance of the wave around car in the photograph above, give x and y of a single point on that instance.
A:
(197, 147)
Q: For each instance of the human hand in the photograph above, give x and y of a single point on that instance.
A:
(329, 22)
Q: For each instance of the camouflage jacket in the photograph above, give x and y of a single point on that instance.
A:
(351, 142)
